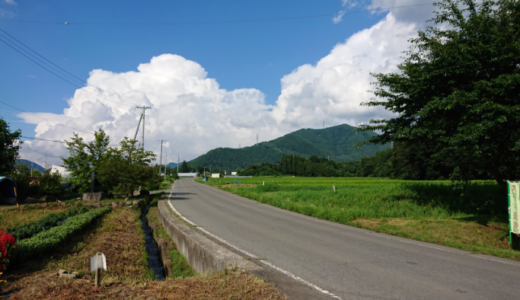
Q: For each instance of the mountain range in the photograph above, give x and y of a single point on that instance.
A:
(31, 164)
(336, 143)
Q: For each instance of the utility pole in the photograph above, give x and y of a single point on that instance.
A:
(144, 108)
(178, 160)
(257, 138)
(160, 159)
(45, 161)
(165, 161)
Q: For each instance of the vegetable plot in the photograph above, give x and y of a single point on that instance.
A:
(49, 239)
(28, 230)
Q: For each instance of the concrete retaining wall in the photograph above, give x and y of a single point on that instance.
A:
(203, 255)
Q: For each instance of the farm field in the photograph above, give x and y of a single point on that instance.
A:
(117, 233)
(473, 218)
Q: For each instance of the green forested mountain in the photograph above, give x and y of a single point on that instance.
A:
(336, 143)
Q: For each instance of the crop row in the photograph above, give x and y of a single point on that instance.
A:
(28, 230)
(49, 239)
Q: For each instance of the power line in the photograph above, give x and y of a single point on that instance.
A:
(35, 138)
(212, 22)
(39, 64)
(57, 123)
(81, 80)
(46, 64)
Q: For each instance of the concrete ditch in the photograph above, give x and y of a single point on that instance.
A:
(162, 246)
(203, 255)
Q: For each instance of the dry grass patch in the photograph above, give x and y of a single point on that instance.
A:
(119, 236)
(221, 286)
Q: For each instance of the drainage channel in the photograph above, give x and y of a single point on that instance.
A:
(154, 262)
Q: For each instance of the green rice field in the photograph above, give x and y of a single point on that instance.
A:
(473, 217)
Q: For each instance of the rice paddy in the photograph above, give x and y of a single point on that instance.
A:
(471, 217)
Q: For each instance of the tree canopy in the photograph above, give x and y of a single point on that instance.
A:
(128, 168)
(184, 167)
(458, 89)
(9, 147)
(86, 157)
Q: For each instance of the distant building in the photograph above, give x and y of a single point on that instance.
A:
(60, 170)
(193, 174)
(215, 175)
(234, 173)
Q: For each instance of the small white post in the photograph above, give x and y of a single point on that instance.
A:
(263, 183)
(334, 188)
(98, 262)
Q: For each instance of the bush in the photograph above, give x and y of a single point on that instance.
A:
(47, 240)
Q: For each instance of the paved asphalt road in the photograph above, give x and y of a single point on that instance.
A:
(349, 262)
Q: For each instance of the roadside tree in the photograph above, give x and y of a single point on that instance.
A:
(458, 89)
(128, 168)
(9, 147)
(184, 167)
(86, 157)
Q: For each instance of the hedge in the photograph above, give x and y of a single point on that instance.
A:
(30, 229)
(50, 239)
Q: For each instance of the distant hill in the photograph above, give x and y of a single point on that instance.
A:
(34, 165)
(336, 143)
(172, 165)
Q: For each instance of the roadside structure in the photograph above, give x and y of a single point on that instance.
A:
(191, 174)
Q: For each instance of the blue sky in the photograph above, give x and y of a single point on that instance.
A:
(238, 56)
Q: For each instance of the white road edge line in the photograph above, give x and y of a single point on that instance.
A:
(250, 254)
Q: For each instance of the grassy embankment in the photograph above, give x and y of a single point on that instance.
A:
(119, 236)
(430, 211)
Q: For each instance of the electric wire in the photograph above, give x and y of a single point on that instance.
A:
(5, 42)
(57, 123)
(213, 22)
(5, 32)
(40, 63)
(35, 138)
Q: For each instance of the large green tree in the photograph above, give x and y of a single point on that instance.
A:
(86, 157)
(128, 168)
(9, 147)
(458, 89)
(184, 167)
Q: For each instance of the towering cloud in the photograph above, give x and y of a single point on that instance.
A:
(194, 114)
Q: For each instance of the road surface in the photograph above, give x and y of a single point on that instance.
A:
(348, 262)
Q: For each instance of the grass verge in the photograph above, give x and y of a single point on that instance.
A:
(178, 263)
(472, 219)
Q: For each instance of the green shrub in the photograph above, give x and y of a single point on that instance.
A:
(47, 240)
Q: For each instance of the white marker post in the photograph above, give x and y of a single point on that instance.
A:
(334, 188)
(263, 183)
(97, 262)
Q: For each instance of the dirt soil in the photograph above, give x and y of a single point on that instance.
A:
(119, 236)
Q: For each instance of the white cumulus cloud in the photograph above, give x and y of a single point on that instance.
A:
(333, 89)
(195, 115)
(188, 109)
